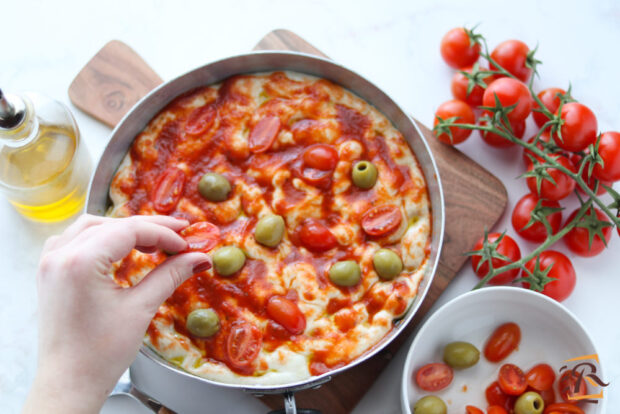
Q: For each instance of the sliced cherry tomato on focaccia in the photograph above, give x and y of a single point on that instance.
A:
(434, 377)
(321, 157)
(381, 220)
(286, 312)
(168, 190)
(200, 119)
(316, 237)
(201, 236)
(243, 344)
(264, 133)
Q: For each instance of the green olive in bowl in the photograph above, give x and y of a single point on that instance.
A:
(430, 405)
(530, 403)
(461, 355)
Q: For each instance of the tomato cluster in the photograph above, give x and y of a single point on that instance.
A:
(494, 97)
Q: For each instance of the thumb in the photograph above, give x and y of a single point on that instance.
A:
(159, 283)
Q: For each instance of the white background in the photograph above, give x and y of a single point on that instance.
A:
(394, 44)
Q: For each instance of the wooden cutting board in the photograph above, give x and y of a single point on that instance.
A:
(116, 78)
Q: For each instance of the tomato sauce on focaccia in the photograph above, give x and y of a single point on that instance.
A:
(287, 144)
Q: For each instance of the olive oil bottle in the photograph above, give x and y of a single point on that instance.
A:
(44, 167)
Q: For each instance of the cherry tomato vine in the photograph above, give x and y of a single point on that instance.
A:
(548, 160)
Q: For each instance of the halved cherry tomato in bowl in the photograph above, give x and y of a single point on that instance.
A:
(540, 377)
(571, 386)
(200, 119)
(457, 50)
(316, 237)
(502, 342)
(434, 377)
(495, 396)
(382, 220)
(201, 236)
(168, 190)
(507, 247)
(563, 408)
(263, 134)
(512, 380)
(286, 312)
(243, 344)
(470, 409)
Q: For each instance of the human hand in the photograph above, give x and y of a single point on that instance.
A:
(90, 328)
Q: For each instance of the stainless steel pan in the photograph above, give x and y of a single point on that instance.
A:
(137, 118)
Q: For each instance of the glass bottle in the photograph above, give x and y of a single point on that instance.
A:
(44, 166)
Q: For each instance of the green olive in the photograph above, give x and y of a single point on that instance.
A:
(387, 264)
(228, 260)
(269, 230)
(430, 405)
(345, 273)
(460, 355)
(364, 174)
(530, 403)
(203, 323)
(214, 187)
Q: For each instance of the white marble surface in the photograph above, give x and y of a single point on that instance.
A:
(393, 43)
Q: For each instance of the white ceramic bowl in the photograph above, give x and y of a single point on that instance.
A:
(549, 333)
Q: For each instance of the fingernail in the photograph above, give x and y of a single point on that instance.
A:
(202, 266)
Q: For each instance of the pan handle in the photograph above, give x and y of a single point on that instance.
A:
(291, 408)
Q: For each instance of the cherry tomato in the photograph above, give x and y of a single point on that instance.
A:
(201, 236)
(470, 409)
(562, 271)
(512, 380)
(263, 134)
(457, 50)
(537, 231)
(577, 240)
(459, 87)
(200, 119)
(609, 150)
(464, 115)
(548, 396)
(563, 186)
(507, 247)
(512, 56)
(168, 190)
(496, 397)
(502, 342)
(321, 157)
(563, 408)
(496, 409)
(243, 344)
(509, 92)
(590, 181)
(316, 237)
(381, 220)
(540, 377)
(578, 129)
(497, 141)
(543, 137)
(568, 387)
(286, 312)
(434, 377)
(551, 100)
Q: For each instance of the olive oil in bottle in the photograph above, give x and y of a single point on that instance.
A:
(44, 167)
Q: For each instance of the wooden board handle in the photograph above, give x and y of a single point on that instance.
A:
(112, 82)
